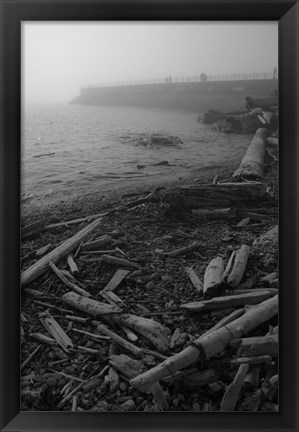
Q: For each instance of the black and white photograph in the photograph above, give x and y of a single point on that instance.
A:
(149, 216)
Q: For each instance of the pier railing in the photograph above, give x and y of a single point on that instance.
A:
(186, 79)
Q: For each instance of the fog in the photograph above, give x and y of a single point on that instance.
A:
(59, 58)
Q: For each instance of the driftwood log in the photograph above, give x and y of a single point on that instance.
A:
(236, 266)
(220, 196)
(252, 164)
(55, 255)
(208, 346)
(232, 301)
(213, 275)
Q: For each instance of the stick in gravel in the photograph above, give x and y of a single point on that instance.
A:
(119, 262)
(112, 298)
(213, 275)
(183, 250)
(62, 276)
(197, 283)
(55, 255)
(251, 360)
(232, 393)
(104, 240)
(212, 344)
(116, 280)
(30, 357)
(227, 301)
(56, 331)
(107, 332)
(239, 265)
(73, 266)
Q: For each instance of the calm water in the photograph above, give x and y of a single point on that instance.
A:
(76, 149)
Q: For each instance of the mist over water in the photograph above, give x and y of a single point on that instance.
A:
(79, 149)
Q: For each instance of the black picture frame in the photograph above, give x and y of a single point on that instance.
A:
(286, 12)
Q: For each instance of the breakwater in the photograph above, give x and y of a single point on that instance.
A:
(190, 96)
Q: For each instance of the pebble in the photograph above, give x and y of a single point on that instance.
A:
(150, 285)
(166, 278)
(139, 399)
(61, 383)
(128, 406)
(123, 386)
(52, 355)
(51, 382)
(148, 408)
(196, 407)
(149, 360)
(176, 402)
(69, 370)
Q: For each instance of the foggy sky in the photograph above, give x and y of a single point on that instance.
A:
(59, 58)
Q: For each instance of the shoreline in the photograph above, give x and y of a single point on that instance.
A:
(86, 203)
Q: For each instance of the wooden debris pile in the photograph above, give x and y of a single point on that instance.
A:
(139, 312)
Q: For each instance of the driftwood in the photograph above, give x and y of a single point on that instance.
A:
(32, 228)
(252, 164)
(220, 195)
(88, 305)
(213, 275)
(251, 360)
(91, 335)
(214, 214)
(238, 266)
(226, 320)
(30, 357)
(131, 368)
(43, 250)
(183, 250)
(245, 123)
(59, 252)
(269, 278)
(104, 240)
(256, 346)
(232, 393)
(66, 278)
(116, 280)
(56, 331)
(194, 279)
(130, 335)
(271, 291)
(252, 379)
(73, 266)
(112, 298)
(200, 378)
(227, 302)
(119, 261)
(148, 328)
(212, 344)
(138, 352)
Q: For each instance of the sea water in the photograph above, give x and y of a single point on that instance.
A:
(76, 149)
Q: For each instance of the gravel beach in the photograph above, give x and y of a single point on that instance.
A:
(83, 378)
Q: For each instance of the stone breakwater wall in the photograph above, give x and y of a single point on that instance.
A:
(192, 96)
